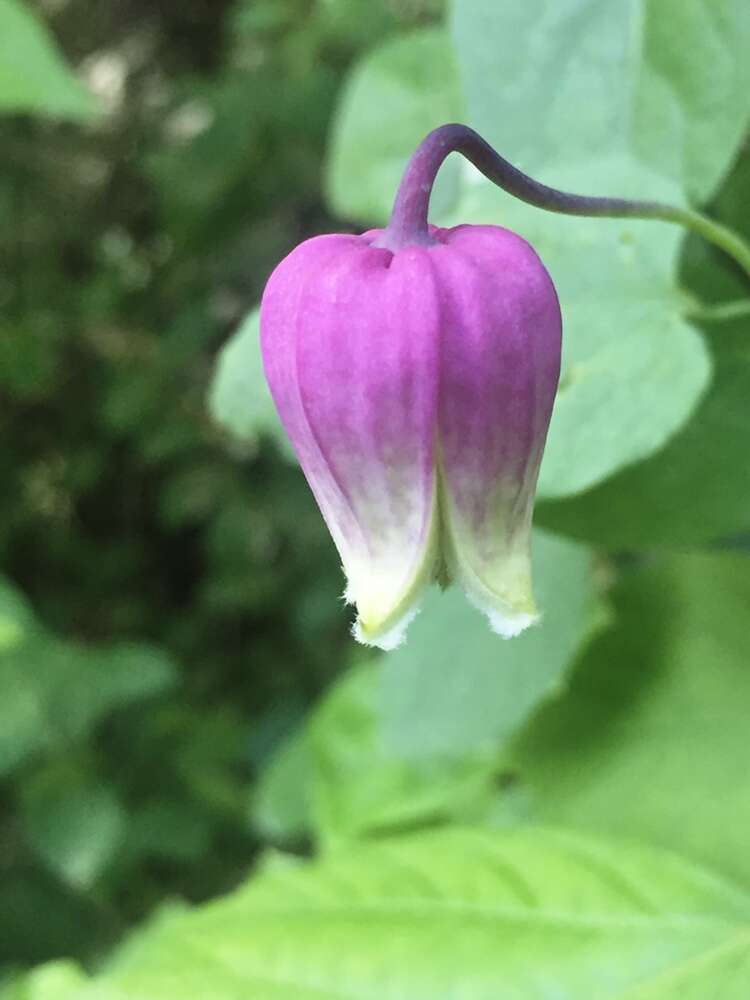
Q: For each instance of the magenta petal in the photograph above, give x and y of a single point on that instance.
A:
(500, 364)
(417, 388)
(350, 338)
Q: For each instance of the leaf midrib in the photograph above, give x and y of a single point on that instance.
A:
(438, 908)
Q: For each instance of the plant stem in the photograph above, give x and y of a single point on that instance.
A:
(723, 312)
(408, 222)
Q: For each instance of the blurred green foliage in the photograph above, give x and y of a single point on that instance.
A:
(128, 250)
(179, 698)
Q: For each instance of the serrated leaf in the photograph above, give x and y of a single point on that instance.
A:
(665, 82)
(33, 75)
(651, 740)
(396, 94)
(522, 915)
(455, 686)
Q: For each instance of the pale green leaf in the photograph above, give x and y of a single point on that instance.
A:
(414, 738)
(239, 398)
(281, 808)
(693, 491)
(633, 369)
(33, 75)
(651, 740)
(359, 785)
(665, 82)
(394, 97)
(455, 686)
(696, 489)
(522, 915)
(580, 113)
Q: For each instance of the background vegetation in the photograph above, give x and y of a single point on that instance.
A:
(182, 711)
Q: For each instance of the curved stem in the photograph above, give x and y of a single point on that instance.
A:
(408, 222)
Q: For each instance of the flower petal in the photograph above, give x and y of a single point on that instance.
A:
(500, 364)
(350, 341)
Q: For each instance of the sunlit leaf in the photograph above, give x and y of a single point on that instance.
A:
(529, 914)
(61, 980)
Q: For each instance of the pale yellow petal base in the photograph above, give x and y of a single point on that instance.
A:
(385, 611)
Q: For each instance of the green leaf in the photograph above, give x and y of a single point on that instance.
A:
(633, 371)
(413, 740)
(171, 829)
(16, 617)
(706, 461)
(664, 82)
(55, 692)
(281, 808)
(40, 916)
(455, 686)
(61, 980)
(693, 491)
(74, 822)
(33, 75)
(360, 786)
(633, 368)
(239, 398)
(651, 740)
(394, 97)
(524, 914)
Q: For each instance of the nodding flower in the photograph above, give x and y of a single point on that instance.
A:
(415, 370)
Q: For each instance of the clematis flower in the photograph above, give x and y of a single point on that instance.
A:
(415, 369)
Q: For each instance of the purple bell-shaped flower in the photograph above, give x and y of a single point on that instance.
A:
(415, 370)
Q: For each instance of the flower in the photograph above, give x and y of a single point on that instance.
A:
(415, 378)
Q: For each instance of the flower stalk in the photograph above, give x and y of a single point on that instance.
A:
(408, 222)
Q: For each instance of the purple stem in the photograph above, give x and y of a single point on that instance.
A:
(408, 222)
